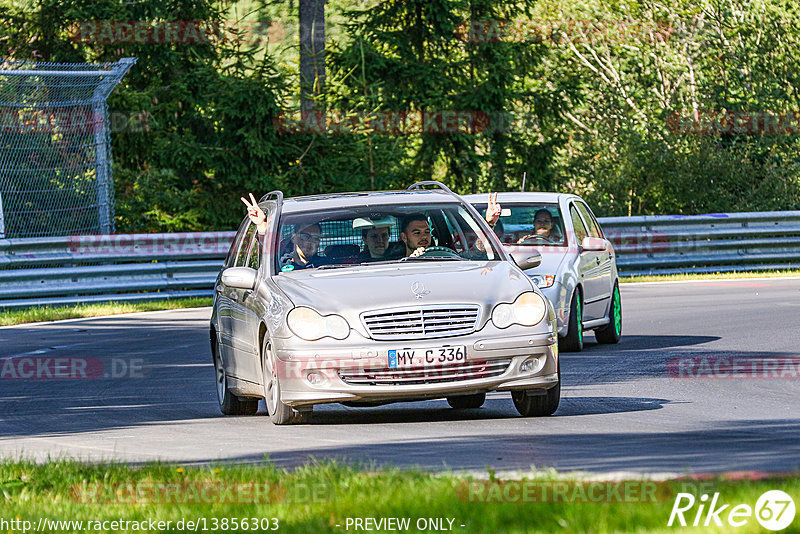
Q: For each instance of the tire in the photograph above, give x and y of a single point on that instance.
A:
(573, 341)
(611, 333)
(466, 402)
(539, 405)
(278, 412)
(230, 404)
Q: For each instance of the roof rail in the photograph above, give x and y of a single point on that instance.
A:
(278, 197)
(420, 185)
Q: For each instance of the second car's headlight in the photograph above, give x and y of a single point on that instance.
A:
(543, 280)
(527, 310)
(311, 326)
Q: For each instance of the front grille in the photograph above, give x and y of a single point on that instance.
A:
(421, 322)
(386, 376)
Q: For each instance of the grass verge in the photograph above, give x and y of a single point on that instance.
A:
(46, 313)
(329, 497)
(710, 276)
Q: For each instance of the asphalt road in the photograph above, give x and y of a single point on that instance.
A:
(622, 408)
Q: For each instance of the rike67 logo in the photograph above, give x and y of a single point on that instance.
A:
(774, 510)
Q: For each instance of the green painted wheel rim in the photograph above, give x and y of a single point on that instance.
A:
(617, 312)
(580, 319)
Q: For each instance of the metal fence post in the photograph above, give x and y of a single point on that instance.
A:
(55, 157)
(2, 220)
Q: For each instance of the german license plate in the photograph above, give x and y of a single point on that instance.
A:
(399, 358)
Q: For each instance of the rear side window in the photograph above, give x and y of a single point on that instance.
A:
(577, 223)
(594, 228)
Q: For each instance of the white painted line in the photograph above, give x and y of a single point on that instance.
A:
(769, 278)
(79, 319)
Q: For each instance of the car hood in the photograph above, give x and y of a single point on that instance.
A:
(552, 258)
(352, 290)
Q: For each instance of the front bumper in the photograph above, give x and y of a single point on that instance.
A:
(557, 297)
(326, 374)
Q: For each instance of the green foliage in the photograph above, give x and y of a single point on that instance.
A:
(581, 96)
(626, 150)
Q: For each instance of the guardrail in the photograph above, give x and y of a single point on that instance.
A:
(720, 242)
(139, 267)
(122, 267)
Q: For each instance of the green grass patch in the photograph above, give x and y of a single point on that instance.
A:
(46, 313)
(319, 496)
(710, 276)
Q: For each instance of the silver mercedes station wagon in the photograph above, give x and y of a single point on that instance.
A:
(370, 298)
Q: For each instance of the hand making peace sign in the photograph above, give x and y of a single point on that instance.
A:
(493, 210)
(256, 214)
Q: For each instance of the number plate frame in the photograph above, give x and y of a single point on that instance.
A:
(426, 357)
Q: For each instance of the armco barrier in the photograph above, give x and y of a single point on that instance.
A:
(139, 267)
(99, 268)
(719, 242)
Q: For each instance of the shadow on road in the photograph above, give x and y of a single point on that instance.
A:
(725, 446)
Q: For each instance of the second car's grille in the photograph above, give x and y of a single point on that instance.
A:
(421, 322)
(454, 372)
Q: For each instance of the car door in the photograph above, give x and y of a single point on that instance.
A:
(224, 301)
(588, 268)
(605, 271)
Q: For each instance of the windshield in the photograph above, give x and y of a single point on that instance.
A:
(387, 233)
(534, 224)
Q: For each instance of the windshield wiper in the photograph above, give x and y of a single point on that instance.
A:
(336, 266)
(431, 258)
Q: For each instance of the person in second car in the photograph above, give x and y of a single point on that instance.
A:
(543, 228)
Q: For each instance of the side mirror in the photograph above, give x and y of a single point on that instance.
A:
(593, 244)
(239, 277)
(527, 260)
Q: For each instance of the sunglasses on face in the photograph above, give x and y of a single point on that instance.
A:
(309, 237)
(543, 220)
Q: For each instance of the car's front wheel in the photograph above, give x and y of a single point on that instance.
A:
(279, 413)
(538, 405)
(230, 404)
(573, 341)
(467, 402)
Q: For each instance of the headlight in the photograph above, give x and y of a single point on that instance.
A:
(543, 280)
(311, 326)
(527, 310)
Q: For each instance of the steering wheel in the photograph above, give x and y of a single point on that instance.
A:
(440, 251)
(534, 236)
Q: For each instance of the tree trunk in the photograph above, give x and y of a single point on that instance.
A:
(312, 52)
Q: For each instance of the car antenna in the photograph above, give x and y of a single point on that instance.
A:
(524, 175)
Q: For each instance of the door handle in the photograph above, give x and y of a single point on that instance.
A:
(247, 294)
(597, 260)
